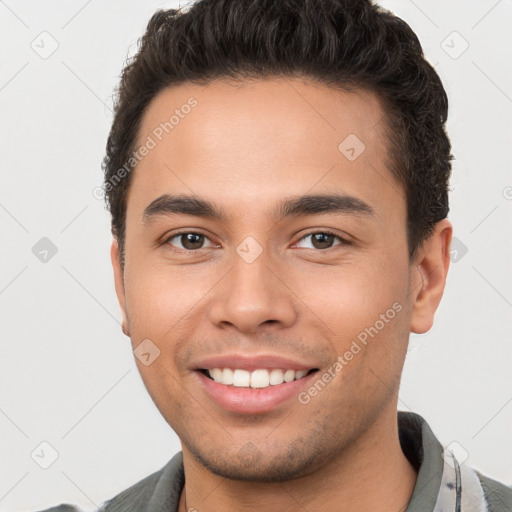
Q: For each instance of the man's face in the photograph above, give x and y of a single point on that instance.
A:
(254, 284)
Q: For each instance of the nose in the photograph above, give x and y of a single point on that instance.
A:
(252, 295)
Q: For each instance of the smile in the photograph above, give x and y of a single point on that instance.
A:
(253, 392)
(260, 378)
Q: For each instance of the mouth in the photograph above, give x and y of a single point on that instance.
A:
(254, 392)
(257, 379)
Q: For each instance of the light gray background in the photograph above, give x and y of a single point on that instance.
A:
(68, 375)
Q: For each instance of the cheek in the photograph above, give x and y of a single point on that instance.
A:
(349, 298)
(367, 318)
(366, 313)
(161, 300)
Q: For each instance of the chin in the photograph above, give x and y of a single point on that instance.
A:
(250, 465)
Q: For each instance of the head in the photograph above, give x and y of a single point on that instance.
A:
(277, 175)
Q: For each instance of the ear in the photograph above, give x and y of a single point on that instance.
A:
(119, 283)
(429, 271)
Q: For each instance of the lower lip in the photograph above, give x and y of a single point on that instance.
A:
(252, 400)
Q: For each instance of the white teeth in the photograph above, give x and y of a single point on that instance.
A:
(227, 376)
(276, 377)
(216, 374)
(261, 378)
(241, 378)
(300, 374)
(289, 375)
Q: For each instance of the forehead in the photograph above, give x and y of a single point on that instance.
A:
(275, 110)
(244, 142)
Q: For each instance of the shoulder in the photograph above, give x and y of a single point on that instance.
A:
(135, 497)
(127, 500)
(497, 494)
(159, 491)
(65, 507)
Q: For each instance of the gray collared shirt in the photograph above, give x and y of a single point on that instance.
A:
(444, 483)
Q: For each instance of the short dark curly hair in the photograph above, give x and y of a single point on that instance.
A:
(344, 44)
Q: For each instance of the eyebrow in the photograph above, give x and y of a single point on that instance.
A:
(315, 204)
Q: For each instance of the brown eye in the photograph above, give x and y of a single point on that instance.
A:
(322, 240)
(187, 241)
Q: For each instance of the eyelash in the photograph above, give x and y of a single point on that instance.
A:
(323, 232)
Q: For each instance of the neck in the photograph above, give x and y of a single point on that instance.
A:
(371, 474)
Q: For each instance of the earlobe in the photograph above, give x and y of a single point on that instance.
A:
(429, 276)
(119, 284)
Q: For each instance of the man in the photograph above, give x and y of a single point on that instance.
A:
(277, 176)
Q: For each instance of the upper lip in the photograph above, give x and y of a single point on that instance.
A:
(251, 363)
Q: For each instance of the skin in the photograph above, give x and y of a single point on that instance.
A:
(245, 147)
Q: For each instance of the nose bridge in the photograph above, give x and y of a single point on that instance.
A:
(251, 293)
